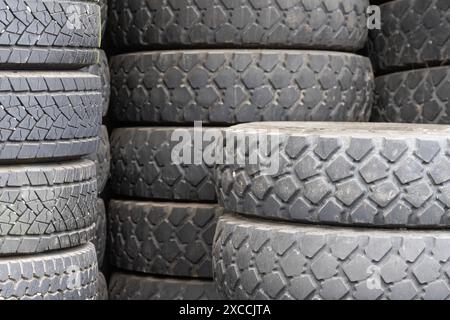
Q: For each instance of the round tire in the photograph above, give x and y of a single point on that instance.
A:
(100, 237)
(101, 69)
(102, 159)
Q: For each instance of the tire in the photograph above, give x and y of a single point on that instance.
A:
(43, 34)
(104, 14)
(416, 96)
(141, 287)
(171, 239)
(102, 159)
(385, 175)
(413, 33)
(141, 166)
(236, 86)
(99, 240)
(46, 206)
(48, 115)
(61, 275)
(101, 69)
(337, 25)
(102, 287)
(267, 260)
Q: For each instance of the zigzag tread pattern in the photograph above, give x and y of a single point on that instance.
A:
(168, 239)
(318, 24)
(256, 260)
(352, 174)
(64, 275)
(413, 33)
(416, 96)
(236, 86)
(142, 166)
(46, 207)
(138, 287)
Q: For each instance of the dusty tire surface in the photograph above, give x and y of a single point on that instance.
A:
(142, 166)
(388, 175)
(124, 286)
(102, 159)
(268, 260)
(43, 33)
(171, 239)
(48, 115)
(102, 287)
(416, 96)
(46, 206)
(413, 33)
(236, 86)
(331, 24)
(100, 236)
(61, 275)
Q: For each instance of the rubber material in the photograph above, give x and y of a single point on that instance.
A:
(61, 275)
(139, 287)
(102, 159)
(101, 69)
(172, 239)
(265, 260)
(48, 115)
(236, 86)
(388, 175)
(104, 14)
(336, 24)
(102, 287)
(99, 239)
(43, 33)
(142, 166)
(46, 206)
(413, 33)
(416, 96)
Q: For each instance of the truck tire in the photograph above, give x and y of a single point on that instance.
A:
(102, 159)
(46, 206)
(101, 69)
(318, 24)
(61, 275)
(48, 115)
(49, 33)
(413, 33)
(415, 96)
(141, 166)
(99, 239)
(235, 86)
(268, 260)
(386, 175)
(142, 287)
(171, 239)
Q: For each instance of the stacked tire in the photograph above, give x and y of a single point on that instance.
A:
(221, 63)
(51, 116)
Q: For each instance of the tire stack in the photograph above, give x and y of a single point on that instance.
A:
(50, 119)
(210, 67)
(356, 211)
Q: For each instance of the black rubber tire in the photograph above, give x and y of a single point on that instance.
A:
(61, 275)
(416, 96)
(413, 33)
(48, 115)
(318, 24)
(170, 239)
(236, 86)
(102, 159)
(46, 206)
(44, 33)
(141, 166)
(101, 69)
(104, 14)
(388, 175)
(100, 236)
(102, 286)
(267, 260)
(124, 286)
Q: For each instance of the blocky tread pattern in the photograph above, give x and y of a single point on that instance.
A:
(168, 239)
(354, 174)
(265, 260)
(47, 207)
(413, 33)
(236, 86)
(416, 96)
(142, 166)
(62, 275)
(139, 287)
(318, 24)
